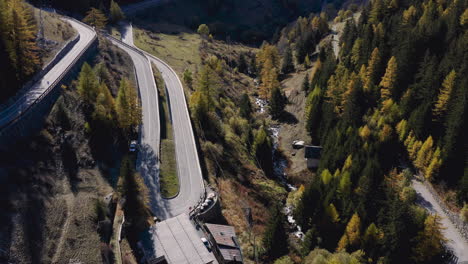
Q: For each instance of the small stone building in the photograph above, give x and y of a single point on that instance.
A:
(226, 247)
(312, 155)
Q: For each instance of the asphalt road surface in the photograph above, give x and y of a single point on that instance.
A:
(455, 241)
(188, 165)
(28, 98)
(148, 151)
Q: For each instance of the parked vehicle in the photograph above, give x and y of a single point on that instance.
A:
(133, 146)
(206, 243)
(297, 144)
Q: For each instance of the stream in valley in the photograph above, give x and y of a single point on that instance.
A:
(280, 164)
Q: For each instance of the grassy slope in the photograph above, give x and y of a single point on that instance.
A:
(56, 31)
(180, 50)
(50, 184)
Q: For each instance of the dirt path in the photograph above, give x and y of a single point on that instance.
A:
(337, 30)
(70, 201)
(455, 241)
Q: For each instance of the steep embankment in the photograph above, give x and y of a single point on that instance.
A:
(51, 182)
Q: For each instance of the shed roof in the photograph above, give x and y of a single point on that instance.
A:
(225, 238)
(231, 253)
(223, 234)
(312, 152)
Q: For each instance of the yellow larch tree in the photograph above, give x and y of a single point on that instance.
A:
(424, 155)
(440, 107)
(372, 66)
(388, 80)
(21, 38)
(352, 235)
(430, 240)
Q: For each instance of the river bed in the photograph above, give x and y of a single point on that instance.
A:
(280, 164)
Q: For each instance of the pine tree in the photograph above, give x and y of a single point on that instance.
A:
(275, 238)
(307, 62)
(312, 110)
(20, 39)
(464, 18)
(132, 188)
(424, 155)
(402, 129)
(352, 235)
(364, 132)
(322, 256)
(206, 85)
(332, 213)
(203, 30)
(372, 235)
(245, 107)
(372, 69)
(267, 53)
(388, 81)
(356, 52)
(430, 241)
(262, 149)
(128, 106)
(199, 108)
(87, 84)
(415, 147)
(345, 183)
(326, 176)
(95, 18)
(116, 13)
(288, 65)
(376, 12)
(188, 79)
(269, 77)
(242, 64)
(306, 83)
(348, 162)
(309, 242)
(277, 103)
(409, 16)
(434, 165)
(440, 107)
(105, 105)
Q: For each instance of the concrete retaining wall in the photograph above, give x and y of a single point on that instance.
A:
(65, 49)
(212, 212)
(32, 120)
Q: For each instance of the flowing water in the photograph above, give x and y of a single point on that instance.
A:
(280, 165)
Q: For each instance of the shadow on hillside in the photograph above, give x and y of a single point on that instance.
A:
(27, 177)
(288, 118)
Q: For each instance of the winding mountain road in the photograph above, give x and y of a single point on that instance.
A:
(148, 154)
(191, 183)
(188, 166)
(22, 104)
